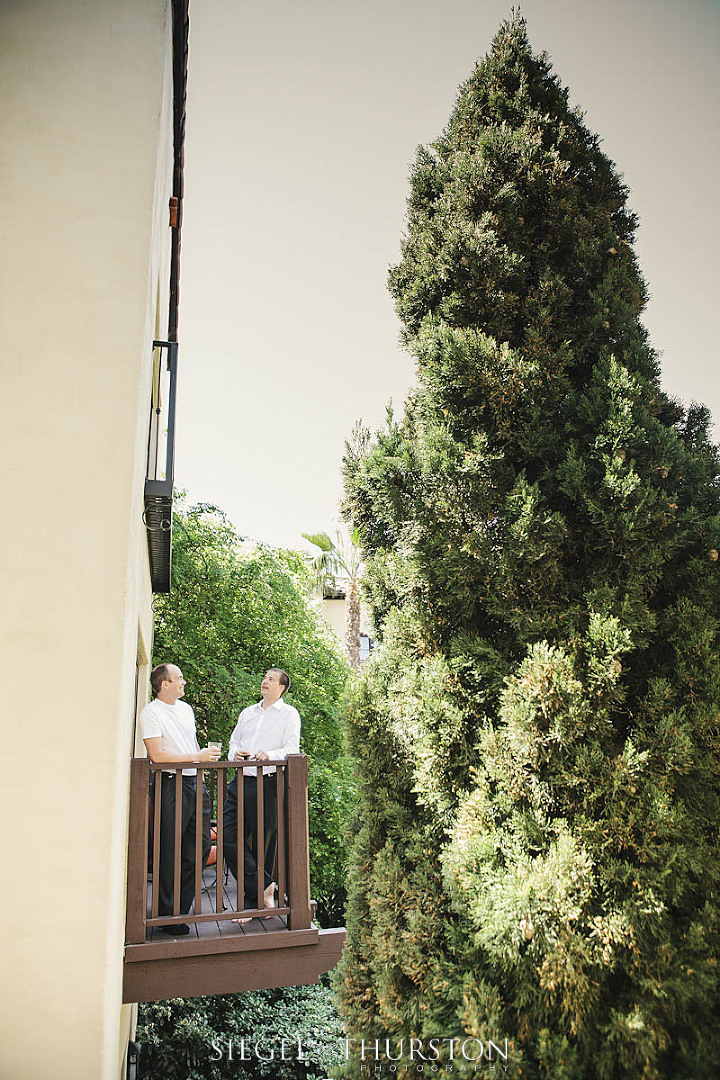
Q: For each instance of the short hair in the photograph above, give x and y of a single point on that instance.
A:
(284, 679)
(159, 675)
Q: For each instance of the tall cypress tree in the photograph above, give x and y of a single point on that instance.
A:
(537, 735)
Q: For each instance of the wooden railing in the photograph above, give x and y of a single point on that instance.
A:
(292, 864)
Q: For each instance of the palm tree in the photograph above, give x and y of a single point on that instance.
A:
(341, 558)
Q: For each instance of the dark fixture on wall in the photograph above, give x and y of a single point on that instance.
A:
(160, 464)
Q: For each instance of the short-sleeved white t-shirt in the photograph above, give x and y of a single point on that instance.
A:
(175, 724)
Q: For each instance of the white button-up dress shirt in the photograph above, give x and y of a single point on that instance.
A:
(275, 730)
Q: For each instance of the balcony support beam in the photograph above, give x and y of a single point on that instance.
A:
(242, 965)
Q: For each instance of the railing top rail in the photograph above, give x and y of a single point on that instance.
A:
(157, 766)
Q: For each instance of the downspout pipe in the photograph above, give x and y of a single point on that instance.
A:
(180, 29)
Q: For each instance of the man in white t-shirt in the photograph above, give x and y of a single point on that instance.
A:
(168, 730)
(268, 730)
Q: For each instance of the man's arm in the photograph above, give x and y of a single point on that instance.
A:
(159, 756)
(235, 749)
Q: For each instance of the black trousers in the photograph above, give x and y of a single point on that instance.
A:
(251, 841)
(187, 843)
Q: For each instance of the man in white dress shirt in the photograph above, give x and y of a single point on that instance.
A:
(168, 729)
(267, 731)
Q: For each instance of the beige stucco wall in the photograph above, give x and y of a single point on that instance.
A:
(334, 612)
(85, 173)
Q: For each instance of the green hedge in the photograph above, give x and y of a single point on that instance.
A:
(194, 1038)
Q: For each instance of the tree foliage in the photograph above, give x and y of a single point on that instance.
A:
(234, 611)
(537, 735)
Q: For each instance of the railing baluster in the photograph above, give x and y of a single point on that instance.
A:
(240, 837)
(219, 839)
(199, 826)
(281, 852)
(260, 840)
(177, 839)
(158, 789)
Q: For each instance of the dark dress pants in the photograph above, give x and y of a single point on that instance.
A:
(187, 843)
(251, 844)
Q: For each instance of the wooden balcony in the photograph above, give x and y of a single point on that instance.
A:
(220, 955)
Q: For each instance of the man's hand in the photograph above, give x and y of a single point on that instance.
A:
(240, 754)
(262, 755)
(208, 754)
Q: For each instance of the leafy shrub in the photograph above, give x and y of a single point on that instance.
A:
(200, 1038)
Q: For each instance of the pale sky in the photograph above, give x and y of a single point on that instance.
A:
(303, 118)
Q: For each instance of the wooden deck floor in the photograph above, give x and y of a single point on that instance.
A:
(225, 928)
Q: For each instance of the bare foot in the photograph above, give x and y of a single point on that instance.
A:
(269, 895)
(269, 898)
